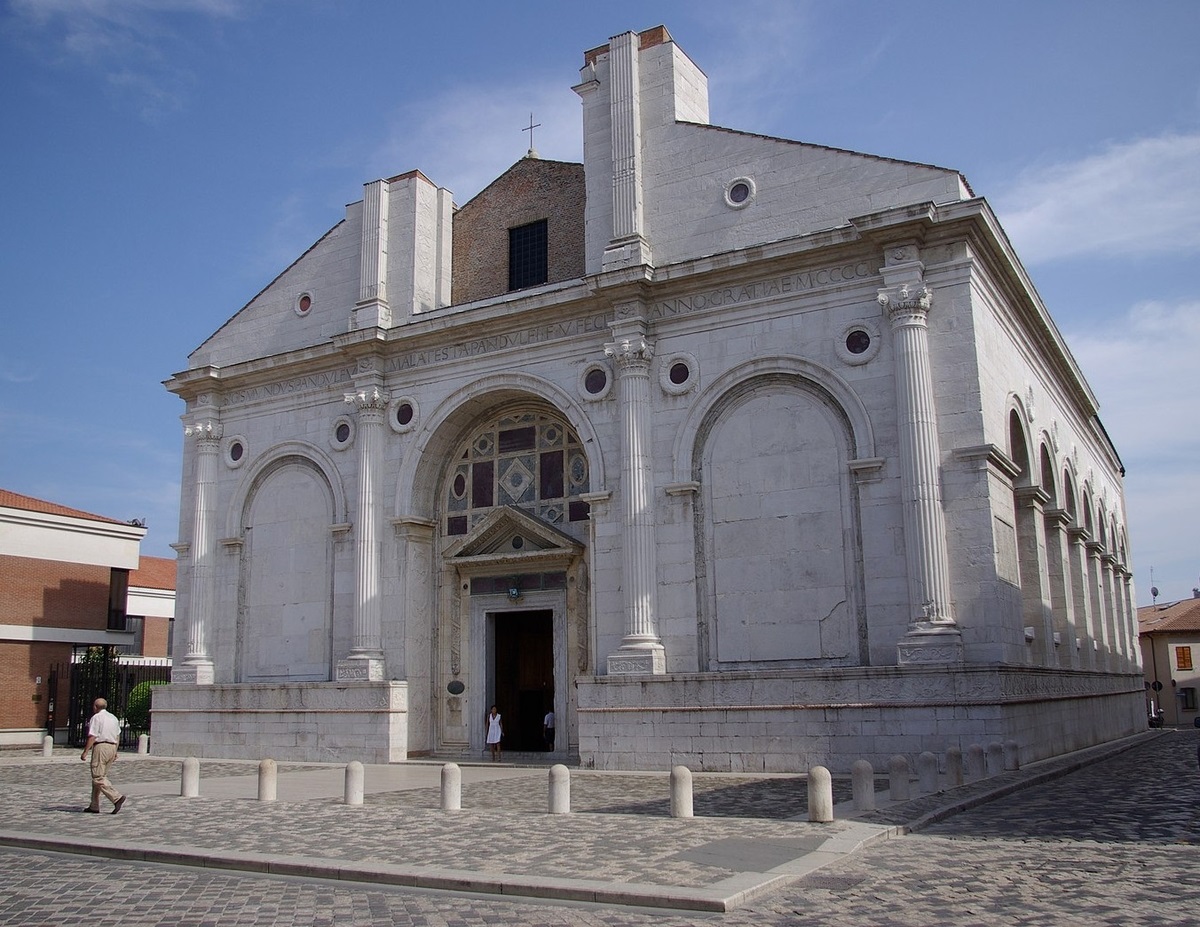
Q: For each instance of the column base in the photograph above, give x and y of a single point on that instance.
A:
(930, 643)
(627, 252)
(193, 674)
(638, 660)
(360, 669)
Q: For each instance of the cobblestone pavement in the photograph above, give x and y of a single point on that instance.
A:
(1116, 842)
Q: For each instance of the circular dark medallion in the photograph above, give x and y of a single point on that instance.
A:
(404, 413)
(456, 687)
(236, 451)
(460, 485)
(596, 380)
(679, 373)
(342, 433)
(858, 341)
(518, 542)
(739, 192)
(305, 303)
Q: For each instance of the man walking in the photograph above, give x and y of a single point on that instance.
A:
(104, 733)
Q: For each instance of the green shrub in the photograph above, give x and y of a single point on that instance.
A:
(137, 711)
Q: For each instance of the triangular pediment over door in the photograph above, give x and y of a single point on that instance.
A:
(509, 535)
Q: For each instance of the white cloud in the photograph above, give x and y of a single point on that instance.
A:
(465, 138)
(1134, 198)
(1140, 367)
(126, 40)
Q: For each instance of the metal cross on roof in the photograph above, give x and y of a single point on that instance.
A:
(532, 125)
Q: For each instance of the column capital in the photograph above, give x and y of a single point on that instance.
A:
(207, 431)
(907, 303)
(369, 399)
(1032, 496)
(630, 350)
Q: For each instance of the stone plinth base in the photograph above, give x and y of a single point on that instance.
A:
(195, 674)
(324, 722)
(366, 669)
(637, 661)
(790, 720)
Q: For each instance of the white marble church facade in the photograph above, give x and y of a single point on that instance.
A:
(735, 451)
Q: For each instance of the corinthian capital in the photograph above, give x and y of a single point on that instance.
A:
(907, 299)
(208, 431)
(369, 399)
(632, 350)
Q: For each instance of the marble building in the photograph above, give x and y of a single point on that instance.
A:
(735, 451)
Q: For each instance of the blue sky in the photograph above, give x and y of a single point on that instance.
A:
(164, 159)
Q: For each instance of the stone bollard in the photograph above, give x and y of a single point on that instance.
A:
(954, 767)
(189, 784)
(1012, 755)
(354, 783)
(898, 778)
(927, 773)
(976, 763)
(820, 795)
(681, 792)
(995, 758)
(451, 787)
(560, 789)
(48, 745)
(143, 744)
(267, 771)
(862, 779)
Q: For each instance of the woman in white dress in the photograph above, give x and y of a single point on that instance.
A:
(495, 730)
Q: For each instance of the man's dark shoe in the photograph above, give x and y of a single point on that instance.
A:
(91, 810)
(117, 804)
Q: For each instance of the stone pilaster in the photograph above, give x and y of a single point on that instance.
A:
(196, 667)
(1077, 540)
(1062, 599)
(1101, 618)
(1108, 566)
(933, 635)
(628, 245)
(1035, 577)
(372, 308)
(365, 660)
(641, 650)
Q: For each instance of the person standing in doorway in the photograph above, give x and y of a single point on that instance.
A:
(104, 733)
(495, 731)
(548, 730)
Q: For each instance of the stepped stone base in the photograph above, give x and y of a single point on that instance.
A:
(311, 722)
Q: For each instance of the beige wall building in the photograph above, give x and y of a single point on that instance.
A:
(1170, 643)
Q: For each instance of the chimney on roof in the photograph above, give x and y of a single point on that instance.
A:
(1195, 593)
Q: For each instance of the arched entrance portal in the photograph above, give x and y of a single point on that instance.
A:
(513, 626)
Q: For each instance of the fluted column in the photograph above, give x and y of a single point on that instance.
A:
(197, 665)
(365, 660)
(641, 650)
(933, 635)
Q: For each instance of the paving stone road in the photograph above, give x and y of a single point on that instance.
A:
(1114, 843)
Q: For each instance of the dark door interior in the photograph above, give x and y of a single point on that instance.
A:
(524, 675)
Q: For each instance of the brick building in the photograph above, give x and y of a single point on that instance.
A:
(70, 580)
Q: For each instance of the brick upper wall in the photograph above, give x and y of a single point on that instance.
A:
(53, 594)
(528, 191)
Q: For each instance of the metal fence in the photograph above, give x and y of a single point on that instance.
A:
(99, 673)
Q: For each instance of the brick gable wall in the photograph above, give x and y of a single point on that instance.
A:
(528, 191)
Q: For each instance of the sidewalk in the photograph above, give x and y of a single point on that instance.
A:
(619, 845)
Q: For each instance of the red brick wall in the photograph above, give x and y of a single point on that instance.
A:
(52, 594)
(43, 594)
(528, 191)
(20, 665)
(154, 637)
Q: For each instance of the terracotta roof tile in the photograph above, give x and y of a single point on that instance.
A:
(14, 500)
(1178, 616)
(154, 573)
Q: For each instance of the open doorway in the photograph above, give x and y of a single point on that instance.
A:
(523, 668)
